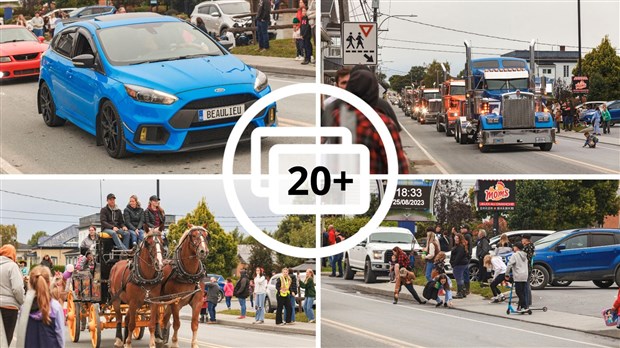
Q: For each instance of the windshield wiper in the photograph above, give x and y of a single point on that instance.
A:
(189, 56)
(14, 40)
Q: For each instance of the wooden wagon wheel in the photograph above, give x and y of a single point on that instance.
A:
(138, 332)
(73, 317)
(94, 325)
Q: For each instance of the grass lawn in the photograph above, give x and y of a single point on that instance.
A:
(277, 48)
(301, 317)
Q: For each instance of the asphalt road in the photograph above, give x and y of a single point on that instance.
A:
(590, 299)
(33, 148)
(351, 319)
(443, 155)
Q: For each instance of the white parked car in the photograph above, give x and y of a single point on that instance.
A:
(270, 300)
(55, 12)
(218, 16)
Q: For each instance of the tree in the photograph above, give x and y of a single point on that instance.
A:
(451, 204)
(34, 240)
(414, 76)
(261, 256)
(295, 230)
(607, 199)
(561, 90)
(461, 75)
(602, 66)
(222, 256)
(8, 235)
(434, 74)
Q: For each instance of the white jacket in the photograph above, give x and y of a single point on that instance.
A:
(11, 284)
(260, 285)
(499, 267)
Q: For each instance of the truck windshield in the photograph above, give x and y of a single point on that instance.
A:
(457, 90)
(521, 84)
(432, 95)
(391, 237)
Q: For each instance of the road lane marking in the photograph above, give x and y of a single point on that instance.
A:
(584, 164)
(6, 167)
(210, 345)
(289, 121)
(364, 333)
(474, 320)
(431, 158)
(288, 81)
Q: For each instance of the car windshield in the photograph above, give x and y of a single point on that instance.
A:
(16, 35)
(391, 237)
(550, 239)
(155, 42)
(236, 7)
(457, 90)
(520, 84)
(75, 12)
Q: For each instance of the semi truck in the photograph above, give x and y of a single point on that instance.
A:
(421, 108)
(453, 96)
(502, 107)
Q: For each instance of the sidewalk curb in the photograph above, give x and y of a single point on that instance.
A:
(387, 293)
(283, 70)
(277, 65)
(600, 140)
(248, 325)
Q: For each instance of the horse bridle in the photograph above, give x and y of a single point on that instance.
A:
(184, 276)
(135, 275)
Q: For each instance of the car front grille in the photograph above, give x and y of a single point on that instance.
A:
(26, 72)
(29, 56)
(213, 137)
(518, 113)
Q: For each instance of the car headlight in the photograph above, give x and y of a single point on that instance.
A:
(377, 254)
(5, 59)
(261, 81)
(148, 95)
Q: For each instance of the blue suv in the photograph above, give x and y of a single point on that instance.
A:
(142, 82)
(578, 255)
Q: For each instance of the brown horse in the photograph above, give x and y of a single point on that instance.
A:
(133, 281)
(183, 276)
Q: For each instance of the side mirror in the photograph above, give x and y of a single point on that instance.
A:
(215, 14)
(84, 61)
(363, 243)
(560, 247)
(41, 39)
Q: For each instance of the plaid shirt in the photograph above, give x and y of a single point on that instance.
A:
(403, 260)
(367, 135)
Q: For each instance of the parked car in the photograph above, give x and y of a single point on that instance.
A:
(219, 16)
(614, 112)
(513, 237)
(164, 87)
(587, 110)
(271, 303)
(578, 255)
(91, 10)
(20, 52)
(55, 12)
(220, 282)
(373, 255)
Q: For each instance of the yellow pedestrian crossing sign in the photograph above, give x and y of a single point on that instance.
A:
(359, 43)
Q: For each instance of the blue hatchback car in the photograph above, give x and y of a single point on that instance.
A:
(578, 255)
(142, 82)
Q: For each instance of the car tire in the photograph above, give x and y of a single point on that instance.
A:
(618, 276)
(369, 274)
(48, 107)
(268, 306)
(474, 272)
(561, 283)
(220, 296)
(546, 146)
(603, 284)
(223, 31)
(112, 133)
(540, 277)
(348, 272)
(463, 139)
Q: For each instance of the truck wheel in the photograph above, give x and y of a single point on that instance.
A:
(483, 148)
(437, 126)
(540, 277)
(348, 272)
(546, 146)
(457, 133)
(463, 139)
(449, 132)
(369, 275)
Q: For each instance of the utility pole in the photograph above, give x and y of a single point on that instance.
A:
(343, 8)
(157, 188)
(375, 8)
(579, 34)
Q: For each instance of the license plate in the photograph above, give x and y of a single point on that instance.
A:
(541, 140)
(221, 112)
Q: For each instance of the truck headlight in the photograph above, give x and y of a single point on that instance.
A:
(542, 118)
(377, 254)
(261, 81)
(417, 109)
(148, 95)
(424, 110)
(492, 120)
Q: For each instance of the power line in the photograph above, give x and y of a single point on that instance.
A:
(432, 50)
(49, 199)
(38, 213)
(448, 45)
(31, 219)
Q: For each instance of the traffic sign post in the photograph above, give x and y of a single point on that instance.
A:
(359, 43)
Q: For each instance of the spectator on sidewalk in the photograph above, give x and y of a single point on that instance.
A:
(503, 246)
(444, 239)
(283, 294)
(294, 292)
(251, 293)
(469, 245)
(241, 292)
(229, 289)
(260, 291)
(459, 262)
(47, 262)
(596, 121)
(431, 249)
(276, 7)
(606, 118)
(203, 308)
(46, 320)
(299, 40)
(11, 289)
(616, 307)
(263, 19)
(483, 248)
(306, 33)
(212, 293)
(439, 265)
(37, 24)
(496, 264)
(530, 250)
(444, 286)
(392, 273)
(519, 269)
(310, 294)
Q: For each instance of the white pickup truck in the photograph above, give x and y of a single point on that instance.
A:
(372, 256)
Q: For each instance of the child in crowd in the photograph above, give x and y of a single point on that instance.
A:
(439, 265)
(392, 274)
(518, 266)
(46, 320)
(306, 33)
(591, 140)
(497, 265)
(228, 291)
(444, 287)
(299, 42)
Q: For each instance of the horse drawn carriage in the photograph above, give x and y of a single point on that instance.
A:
(139, 286)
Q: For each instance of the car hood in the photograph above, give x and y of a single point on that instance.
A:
(23, 47)
(390, 246)
(188, 74)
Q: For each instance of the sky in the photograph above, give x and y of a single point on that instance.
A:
(552, 22)
(177, 197)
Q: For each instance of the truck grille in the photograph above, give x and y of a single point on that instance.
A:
(387, 257)
(518, 113)
(434, 106)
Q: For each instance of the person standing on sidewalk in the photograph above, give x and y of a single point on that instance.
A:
(497, 265)
(518, 266)
(263, 18)
(213, 291)
(306, 34)
(469, 245)
(482, 249)
(558, 117)
(606, 117)
(530, 250)
(293, 297)
(310, 294)
(459, 262)
(596, 121)
(228, 292)
(283, 294)
(260, 291)
(46, 320)
(432, 248)
(616, 307)
(444, 239)
(241, 292)
(11, 289)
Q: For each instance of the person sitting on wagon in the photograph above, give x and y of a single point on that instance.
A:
(89, 241)
(86, 262)
(112, 223)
